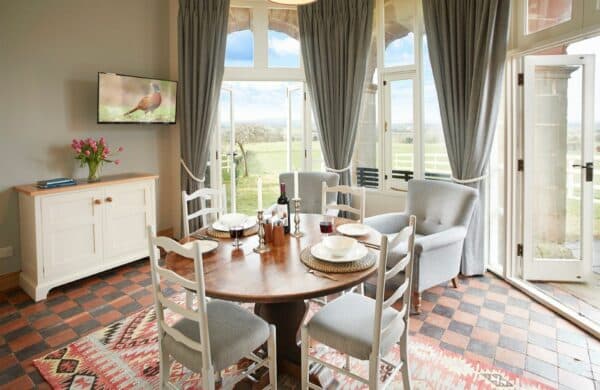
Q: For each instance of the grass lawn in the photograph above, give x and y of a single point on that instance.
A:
(269, 159)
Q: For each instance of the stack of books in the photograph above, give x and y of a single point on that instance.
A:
(55, 183)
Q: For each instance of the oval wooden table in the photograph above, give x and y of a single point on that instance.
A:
(277, 281)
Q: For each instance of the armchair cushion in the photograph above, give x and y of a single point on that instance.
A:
(310, 188)
(388, 223)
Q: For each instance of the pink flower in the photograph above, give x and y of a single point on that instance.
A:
(107, 150)
(87, 152)
(117, 162)
(94, 148)
(120, 149)
(78, 150)
(102, 142)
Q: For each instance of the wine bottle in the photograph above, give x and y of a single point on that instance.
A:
(283, 209)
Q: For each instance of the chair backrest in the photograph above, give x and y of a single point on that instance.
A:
(310, 188)
(439, 205)
(359, 196)
(163, 301)
(217, 206)
(383, 275)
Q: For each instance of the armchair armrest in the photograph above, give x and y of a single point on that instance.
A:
(441, 239)
(388, 223)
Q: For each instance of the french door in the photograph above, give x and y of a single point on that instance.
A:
(558, 167)
(261, 133)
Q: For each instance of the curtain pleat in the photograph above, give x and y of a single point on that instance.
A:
(467, 46)
(202, 36)
(335, 37)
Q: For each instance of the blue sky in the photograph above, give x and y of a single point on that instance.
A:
(283, 51)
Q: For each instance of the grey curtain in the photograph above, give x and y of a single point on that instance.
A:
(335, 37)
(202, 29)
(467, 47)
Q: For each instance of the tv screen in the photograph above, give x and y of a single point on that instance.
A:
(131, 99)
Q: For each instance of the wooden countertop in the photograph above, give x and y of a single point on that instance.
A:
(82, 184)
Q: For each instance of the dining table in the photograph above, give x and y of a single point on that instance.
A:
(277, 282)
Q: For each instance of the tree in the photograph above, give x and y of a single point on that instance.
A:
(245, 133)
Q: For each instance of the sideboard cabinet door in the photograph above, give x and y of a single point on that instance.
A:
(129, 209)
(71, 233)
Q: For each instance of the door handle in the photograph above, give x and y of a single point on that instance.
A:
(97, 201)
(589, 170)
(108, 199)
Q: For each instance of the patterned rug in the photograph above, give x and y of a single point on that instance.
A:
(124, 355)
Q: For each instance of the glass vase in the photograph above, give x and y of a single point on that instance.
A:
(93, 171)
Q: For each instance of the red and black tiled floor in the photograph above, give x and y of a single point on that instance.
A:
(483, 319)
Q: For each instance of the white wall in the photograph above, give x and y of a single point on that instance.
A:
(50, 53)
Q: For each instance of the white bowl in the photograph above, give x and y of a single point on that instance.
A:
(338, 245)
(233, 219)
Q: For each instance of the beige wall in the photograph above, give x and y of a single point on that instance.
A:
(50, 53)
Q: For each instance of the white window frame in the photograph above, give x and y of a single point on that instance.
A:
(260, 71)
(385, 76)
(585, 20)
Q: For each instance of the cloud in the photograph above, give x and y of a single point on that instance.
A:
(283, 45)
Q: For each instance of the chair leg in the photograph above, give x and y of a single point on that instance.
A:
(417, 301)
(189, 299)
(272, 351)
(374, 371)
(208, 379)
(455, 282)
(164, 368)
(304, 357)
(404, 357)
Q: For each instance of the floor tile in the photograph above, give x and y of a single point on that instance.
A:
(484, 319)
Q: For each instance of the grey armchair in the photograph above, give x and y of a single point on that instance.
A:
(443, 212)
(310, 188)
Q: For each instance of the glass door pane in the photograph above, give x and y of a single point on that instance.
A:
(296, 127)
(557, 213)
(557, 133)
(260, 139)
(401, 126)
(226, 146)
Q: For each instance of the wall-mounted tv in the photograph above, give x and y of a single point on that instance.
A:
(132, 99)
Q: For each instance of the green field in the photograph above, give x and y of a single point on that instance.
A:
(268, 159)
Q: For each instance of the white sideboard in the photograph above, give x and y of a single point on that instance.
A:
(72, 232)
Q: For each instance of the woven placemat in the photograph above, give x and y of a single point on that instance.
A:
(324, 266)
(219, 234)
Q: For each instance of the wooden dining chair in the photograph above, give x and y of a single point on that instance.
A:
(366, 328)
(214, 336)
(355, 192)
(218, 202)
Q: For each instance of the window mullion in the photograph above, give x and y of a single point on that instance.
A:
(418, 99)
(260, 26)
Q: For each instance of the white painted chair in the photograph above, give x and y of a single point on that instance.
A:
(201, 339)
(217, 207)
(366, 328)
(356, 192)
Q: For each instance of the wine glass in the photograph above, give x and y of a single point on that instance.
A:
(326, 226)
(236, 233)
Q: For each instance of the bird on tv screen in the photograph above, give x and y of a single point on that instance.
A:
(130, 99)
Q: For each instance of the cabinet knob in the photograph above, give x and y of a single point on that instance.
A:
(97, 201)
(108, 199)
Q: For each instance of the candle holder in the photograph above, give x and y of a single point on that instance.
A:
(297, 233)
(262, 246)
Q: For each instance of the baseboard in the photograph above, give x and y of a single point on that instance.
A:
(168, 232)
(9, 281)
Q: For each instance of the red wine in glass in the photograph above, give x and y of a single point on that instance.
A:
(236, 232)
(326, 227)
